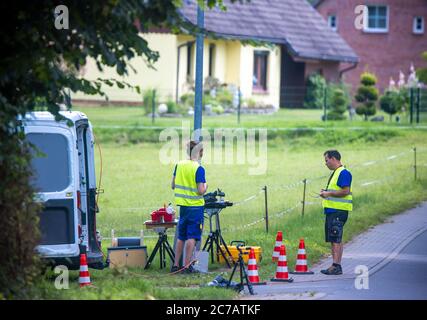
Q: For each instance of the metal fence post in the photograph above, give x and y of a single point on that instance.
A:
(415, 163)
(303, 197)
(411, 105)
(266, 208)
(153, 105)
(324, 103)
(239, 104)
(418, 104)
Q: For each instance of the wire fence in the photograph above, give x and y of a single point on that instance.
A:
(306, 196)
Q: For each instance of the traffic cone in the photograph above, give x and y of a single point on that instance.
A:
(301, 265)
(282, 267)
(276, 251)
(84, 277)
(253, 269)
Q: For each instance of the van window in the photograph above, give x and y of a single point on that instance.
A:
(50, 162)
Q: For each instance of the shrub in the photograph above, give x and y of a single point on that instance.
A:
(338, 105)
(218, 109)
(172, 107)
(187, 99)
(251, 103)
(225, 97)
(422, 72)
(389, 102)
(367, 95)
(314, 97)
(210, 84)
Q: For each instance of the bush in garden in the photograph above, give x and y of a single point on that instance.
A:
(314, 97)
(338, 105)
(389, 102)
(367, 95)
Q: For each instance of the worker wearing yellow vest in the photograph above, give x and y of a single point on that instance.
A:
(189, 184)
(337, 202)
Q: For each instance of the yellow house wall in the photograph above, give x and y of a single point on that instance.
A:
(162, 79)
(233, 64)
(272, 96)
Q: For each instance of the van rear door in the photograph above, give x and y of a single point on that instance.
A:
(55, 180)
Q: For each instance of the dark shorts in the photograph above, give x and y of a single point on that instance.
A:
(334, 225)
(190, 225)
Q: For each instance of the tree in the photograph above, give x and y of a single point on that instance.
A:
(367, 95)
(41, 60)
(389, 102)
(314, 97)
(422, 72)
(338, 105)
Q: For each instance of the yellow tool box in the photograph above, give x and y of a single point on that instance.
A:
(245, 251)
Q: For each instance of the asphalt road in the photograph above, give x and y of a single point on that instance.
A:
(405, 277)
(393, 254)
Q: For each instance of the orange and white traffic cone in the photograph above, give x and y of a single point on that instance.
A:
(84, 277)
(282, 274)
(276, 251)
(301, 265)
(253, 269)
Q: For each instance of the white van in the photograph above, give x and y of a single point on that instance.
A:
(64, 176)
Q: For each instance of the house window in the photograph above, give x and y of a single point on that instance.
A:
(211, 60)
(377, 19)
(332, 22)
(259, 79)
(418, 25)
(189, 59)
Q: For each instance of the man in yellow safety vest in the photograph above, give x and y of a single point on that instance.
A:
(189, 184)
(337, 202)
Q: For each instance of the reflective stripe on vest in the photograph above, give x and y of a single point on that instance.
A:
(340, 203)
(185, 185)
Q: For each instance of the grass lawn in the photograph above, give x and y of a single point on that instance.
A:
(284, 118)
(135, 183)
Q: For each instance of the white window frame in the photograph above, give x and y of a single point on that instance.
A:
(336, 22)
(414, 25)
(366, 20)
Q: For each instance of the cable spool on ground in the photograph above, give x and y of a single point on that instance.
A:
(127, 241)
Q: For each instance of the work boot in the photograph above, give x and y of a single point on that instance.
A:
(332, 271)
(175, 269)
(191, 270)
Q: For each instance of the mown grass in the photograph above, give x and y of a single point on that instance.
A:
(135, 183)
(284, 118)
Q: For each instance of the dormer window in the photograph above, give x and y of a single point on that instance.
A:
(332, 22)
(418, 25)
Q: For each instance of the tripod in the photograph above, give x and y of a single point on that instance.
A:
(243, 273)
(163, 247)
(216, 238)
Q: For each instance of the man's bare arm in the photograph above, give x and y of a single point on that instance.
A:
(202, 188)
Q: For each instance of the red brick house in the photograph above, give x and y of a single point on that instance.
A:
(387, 37)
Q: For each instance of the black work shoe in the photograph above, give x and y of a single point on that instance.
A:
(332, 271)
(175, 269)
(191, 270)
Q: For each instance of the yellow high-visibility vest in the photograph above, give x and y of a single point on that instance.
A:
(185, 185)
(340, 203)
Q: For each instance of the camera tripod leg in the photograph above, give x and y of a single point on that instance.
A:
(245, 274)
(220, 250)
(153, 254)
